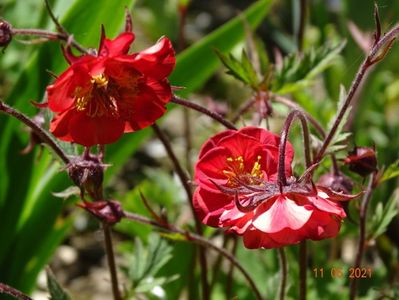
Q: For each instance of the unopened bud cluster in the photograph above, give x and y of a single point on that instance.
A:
(5, 33)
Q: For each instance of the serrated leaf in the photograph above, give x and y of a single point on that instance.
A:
(55, 289)
(384, 215)
(391, 172)
(296, 73)
(148, 261)
(241, 70)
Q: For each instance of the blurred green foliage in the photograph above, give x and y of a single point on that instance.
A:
(32, 222)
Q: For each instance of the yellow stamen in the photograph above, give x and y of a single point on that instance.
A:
(99, 80)
(81, 103)
(236, 168)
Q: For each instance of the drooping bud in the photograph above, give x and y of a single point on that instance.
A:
(109, 211)
(5, 33)
(338, 183)
(362, 160)
(88, 173)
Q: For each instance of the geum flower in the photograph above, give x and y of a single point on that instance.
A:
(101, 96)
(237, 188)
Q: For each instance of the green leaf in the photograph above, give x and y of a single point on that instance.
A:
(198, 62)
(297, 73)
(146, 262)
(339, 140)
(391, 172)
(27, 209)
(55, 289)
(241, 70)
(383, 215)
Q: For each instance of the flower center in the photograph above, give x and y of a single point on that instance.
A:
(98, 99)
(236, 171)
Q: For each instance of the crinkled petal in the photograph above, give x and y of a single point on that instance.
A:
(157, 61)
(284, 213)
(214, 141)
(210, 206)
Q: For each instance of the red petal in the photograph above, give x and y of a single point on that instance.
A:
(59, 126)
(255, 239)
(118, 46)
(88, 131)
(209, 206)
(143, 109)
(213, 142)
(211, 166)
(157, 61)
(284, 213)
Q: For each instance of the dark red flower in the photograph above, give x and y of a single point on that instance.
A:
(236, 175)
(362, 160)
(99, 97)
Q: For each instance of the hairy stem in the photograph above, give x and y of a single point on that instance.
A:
(362, 232)
(111, 261)
(185, 182)
(6, 289)
(283, 142)
(201, 109)
(39, 131)
(199, 240)
(284, 272)
(60, 36)
(303, 259)
(371, 59)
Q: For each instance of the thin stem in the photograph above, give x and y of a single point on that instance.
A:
(201, 109)
(6, 289)
(185, 182)
(302, 23)
(195, 238)
(40, 132)
(283, 142)
(291, 104)
(218, 261)
(284, 272)
(111, 261)
(303, 259)
(362, 232)
(51, 36)
(370, 60)
(243, 109)
(229, 281)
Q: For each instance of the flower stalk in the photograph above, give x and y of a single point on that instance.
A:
(362, 232)
(284, 272)
(185, 182)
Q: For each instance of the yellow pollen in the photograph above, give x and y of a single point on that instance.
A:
(99, 80)
(256, 171)
(236, 168)
(81, 103)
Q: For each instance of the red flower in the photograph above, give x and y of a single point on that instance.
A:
(236, 175)
(99, 97)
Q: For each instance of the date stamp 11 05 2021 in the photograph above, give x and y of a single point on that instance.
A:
(339, 272)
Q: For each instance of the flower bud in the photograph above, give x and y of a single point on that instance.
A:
(88, 173)
(108, 211)
(362, 160)
(5, 33)
(338, 183)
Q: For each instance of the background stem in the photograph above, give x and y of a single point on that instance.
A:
(111, 261)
